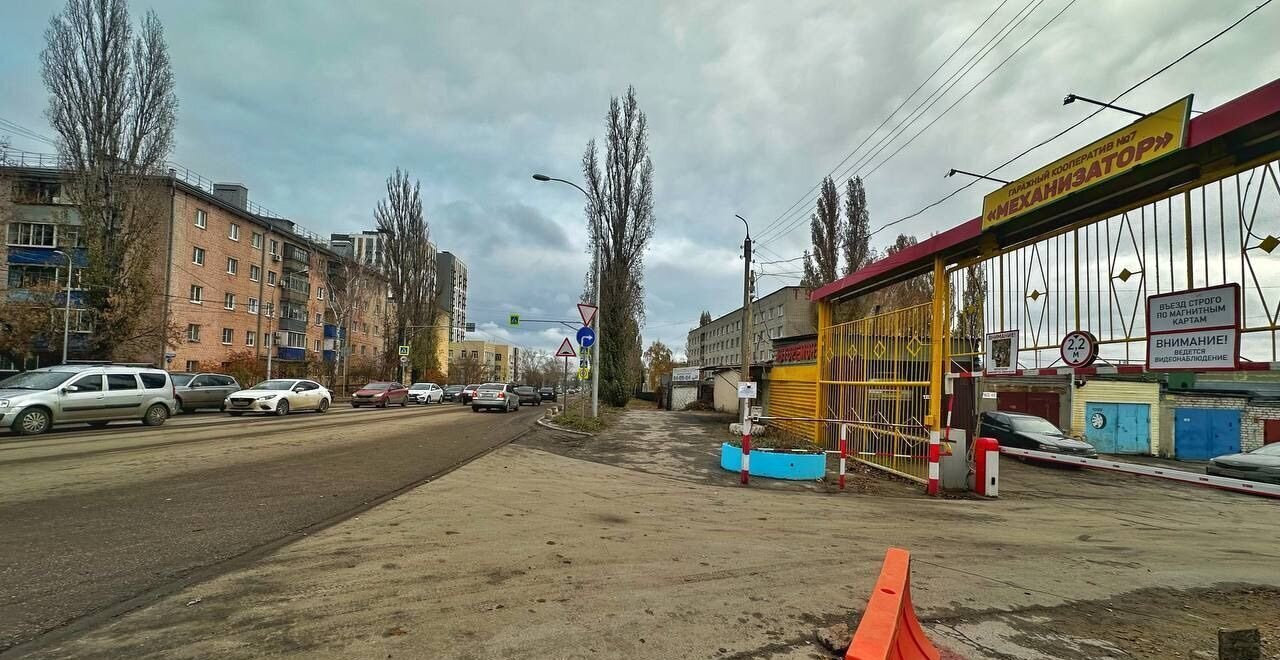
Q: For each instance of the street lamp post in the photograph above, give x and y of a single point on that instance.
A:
(595, 230)
(66, 309)
(746, 314)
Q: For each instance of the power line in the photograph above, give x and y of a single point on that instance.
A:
(934, 97)
(890, 116)
(23, 131)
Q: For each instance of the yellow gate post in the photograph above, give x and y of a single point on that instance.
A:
(937, 361)
(820, 398)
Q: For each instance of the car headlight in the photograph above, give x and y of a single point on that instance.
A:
(4, 403)
(267, 397)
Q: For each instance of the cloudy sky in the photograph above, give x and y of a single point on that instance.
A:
(311, 104)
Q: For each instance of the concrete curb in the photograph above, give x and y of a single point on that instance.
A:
(545, 424)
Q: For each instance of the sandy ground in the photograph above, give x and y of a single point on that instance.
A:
(527, 553)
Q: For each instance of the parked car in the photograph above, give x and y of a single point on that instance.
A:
(280, 396)
(195, 391)
(547, 393)
(1023, 431)
(528, 396)
(452, 392)
(381, 394)
(1261, 464)
(426, 393)
(467, 394)
(499, 396)
(34, 401)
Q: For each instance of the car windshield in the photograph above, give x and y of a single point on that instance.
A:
(524, 389)
(1035, 425)
(1272, 449)
(471, 387)
(35, 380)
(453, 388)
(376, 386)
(182, 379)
(420, 386)
(493, 386)
(274, 385)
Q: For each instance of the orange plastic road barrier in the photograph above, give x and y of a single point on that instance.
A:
(889, 629)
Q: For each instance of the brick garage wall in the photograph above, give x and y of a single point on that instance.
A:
(1251, 424)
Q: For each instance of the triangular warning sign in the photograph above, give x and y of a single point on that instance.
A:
(566, 350)
(587, 312)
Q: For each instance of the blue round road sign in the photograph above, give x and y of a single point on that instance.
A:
(586, 337)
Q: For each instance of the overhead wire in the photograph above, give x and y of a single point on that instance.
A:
(890, 116)
(934, 97)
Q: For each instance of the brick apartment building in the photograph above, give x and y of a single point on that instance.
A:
(786, 312)
(237, 278)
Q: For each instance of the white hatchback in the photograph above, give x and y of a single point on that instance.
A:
(426, 393)
(280, 396)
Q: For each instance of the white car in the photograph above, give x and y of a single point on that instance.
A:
(426, 393)
(280, 396)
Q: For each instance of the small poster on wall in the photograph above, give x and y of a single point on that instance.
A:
(1002, 353)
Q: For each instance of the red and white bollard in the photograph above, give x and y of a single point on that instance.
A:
(844, 452)
(986, 468)
(746, 450)
(935, 455)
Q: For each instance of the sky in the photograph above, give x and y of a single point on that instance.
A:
(312, 104)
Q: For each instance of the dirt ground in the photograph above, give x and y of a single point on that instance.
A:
(634, 546)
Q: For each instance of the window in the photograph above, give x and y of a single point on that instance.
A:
(25, 277)
(271, 278)
(269, 309)
(275, 248)
(253, 306)
(317, 346)
(250, 338)
(256, 241)
(319, 318)
(122, 382)
(229, 301)
(197, 294)
(193, 365)
(37, 192)
(228, 335)
(319, 293)
(296, 340)
(193, 335)
(91, 383)
(233, 266)
(197, 256)
(255, 273)
(153, 381)
(233, 232)
(202, 218)
(30, 234)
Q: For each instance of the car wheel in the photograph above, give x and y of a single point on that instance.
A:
(404, 402)
(282, 408)
(32, 422)
(324, 406)
(155, 415)
(182, 409)
(382, 404)
(354, 406)
(475, 409)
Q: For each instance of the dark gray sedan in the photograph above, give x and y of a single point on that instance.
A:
(1261, 464)
(195, 391)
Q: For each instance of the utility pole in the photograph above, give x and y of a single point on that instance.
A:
(746, 315)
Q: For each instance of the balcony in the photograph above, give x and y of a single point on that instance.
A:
(292, 353)
(287, 324)
(330, 331)
(40, 256)
(330, 356)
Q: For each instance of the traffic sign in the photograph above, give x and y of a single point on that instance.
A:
(586, 337)
(566, 349)
(404, 361)
(584, 373)
(587, 312)
(513, 319)
(404, 350)
(1079, 348)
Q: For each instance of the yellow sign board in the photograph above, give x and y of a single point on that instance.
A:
(1157, 134)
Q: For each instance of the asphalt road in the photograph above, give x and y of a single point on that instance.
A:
(97, 522)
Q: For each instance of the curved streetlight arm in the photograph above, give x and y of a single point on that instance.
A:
(744, 224)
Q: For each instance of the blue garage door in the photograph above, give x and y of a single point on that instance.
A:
(1202, 433)
(1118, 428)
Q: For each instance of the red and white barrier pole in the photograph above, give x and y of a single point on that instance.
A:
(986, 467)
(746, 451)
(935, 455)
(844, 452)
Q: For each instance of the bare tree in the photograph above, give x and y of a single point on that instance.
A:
(469, 370)
(113, 107)
(621, 190)
(825, 227)
(409, 263)
(349, 285)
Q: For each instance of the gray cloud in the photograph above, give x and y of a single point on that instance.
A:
(313, 104)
